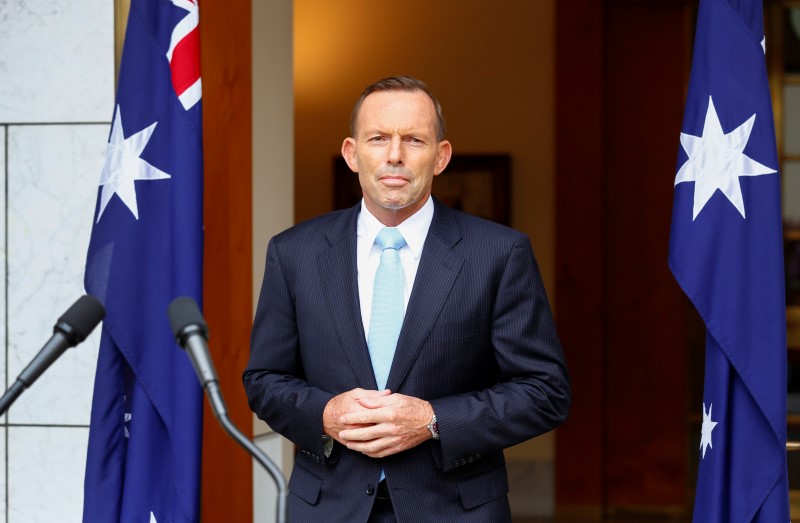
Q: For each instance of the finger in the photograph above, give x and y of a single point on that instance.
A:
(365, 433)
(385, 400)
(384, 452)
(375, 447)
(371, 394)
(382, 448)
(369, 416)
(353, 427)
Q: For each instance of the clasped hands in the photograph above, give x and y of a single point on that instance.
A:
(377, 423)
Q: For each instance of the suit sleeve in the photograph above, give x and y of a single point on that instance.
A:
(533, 394)
(274, 382)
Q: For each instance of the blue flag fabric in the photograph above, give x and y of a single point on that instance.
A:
(726, 252)
(146, 248)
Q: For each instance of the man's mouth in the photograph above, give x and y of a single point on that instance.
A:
(394, 180)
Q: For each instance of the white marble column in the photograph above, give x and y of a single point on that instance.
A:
(273, 190)
(56, 101)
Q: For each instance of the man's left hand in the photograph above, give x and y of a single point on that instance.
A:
(394, 423)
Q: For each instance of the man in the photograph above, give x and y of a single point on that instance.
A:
(406, 423)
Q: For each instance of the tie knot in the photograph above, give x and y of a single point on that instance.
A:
(390, 238)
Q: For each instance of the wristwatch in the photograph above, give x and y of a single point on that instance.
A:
(433, 426)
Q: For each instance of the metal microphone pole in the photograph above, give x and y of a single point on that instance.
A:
(191, 332)
(221, 413)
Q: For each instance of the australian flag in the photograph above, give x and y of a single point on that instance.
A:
(726, 252)
(146, 248)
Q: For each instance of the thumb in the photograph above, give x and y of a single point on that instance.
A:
(375, 400)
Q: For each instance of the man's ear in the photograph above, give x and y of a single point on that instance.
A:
(349, 154)
(443, 154)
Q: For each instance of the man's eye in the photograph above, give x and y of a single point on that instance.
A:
(415, 141)
(377, 139)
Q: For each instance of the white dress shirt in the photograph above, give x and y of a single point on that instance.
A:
(368, 255)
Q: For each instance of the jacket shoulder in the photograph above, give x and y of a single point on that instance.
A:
(482, 231)
(312, 228)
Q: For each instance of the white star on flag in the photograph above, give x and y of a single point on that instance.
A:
(153, 518)
(716, 161)
(124, 164)
(705, 430)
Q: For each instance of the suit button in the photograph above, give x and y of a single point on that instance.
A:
(455, 463)
(477, 456)
(463, 461)
(470, 459)
(370, 490)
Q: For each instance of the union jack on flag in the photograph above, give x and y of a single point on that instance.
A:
(184, 55)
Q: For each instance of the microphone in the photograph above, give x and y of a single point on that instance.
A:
(71, 329)
(191, 333)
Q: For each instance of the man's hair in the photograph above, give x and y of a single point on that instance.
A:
(399, 83)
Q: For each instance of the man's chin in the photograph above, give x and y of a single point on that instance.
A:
(395, 206)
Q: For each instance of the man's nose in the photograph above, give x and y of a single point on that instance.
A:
(396, 151)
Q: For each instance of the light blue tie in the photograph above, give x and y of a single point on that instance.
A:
(387, 314)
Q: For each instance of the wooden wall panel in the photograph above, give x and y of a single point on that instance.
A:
(227, 121)
(646, 405)
(579, 247)
(621, 77)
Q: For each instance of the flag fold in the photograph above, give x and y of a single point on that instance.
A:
(145, 438)
(726, 252)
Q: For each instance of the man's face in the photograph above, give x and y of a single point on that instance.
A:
(395, 153)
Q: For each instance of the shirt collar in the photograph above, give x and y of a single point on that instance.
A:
(414, 229)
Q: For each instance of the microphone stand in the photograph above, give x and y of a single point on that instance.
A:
(71, 329)
(221, 413)
(191, 332)
(11, 396)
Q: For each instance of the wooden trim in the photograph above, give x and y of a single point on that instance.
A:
(580, 236)
(121, 10)
(620, 89)
(227, 129)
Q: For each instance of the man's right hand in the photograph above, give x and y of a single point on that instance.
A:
(345, 403)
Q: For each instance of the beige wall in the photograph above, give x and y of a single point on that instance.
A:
(491, 64)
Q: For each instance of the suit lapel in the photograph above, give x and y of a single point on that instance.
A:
(337, 267)
(437, 271)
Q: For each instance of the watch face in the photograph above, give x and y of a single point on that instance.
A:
(433, 426)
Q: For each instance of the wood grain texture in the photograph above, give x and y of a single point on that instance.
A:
(621, 75)
(227, 120)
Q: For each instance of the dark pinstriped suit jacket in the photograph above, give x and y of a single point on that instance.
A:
(478, 341)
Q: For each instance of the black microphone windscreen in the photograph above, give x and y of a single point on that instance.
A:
(184, 312)
(83, 317)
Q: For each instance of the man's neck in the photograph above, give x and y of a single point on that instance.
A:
(394, 217)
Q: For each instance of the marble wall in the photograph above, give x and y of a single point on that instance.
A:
(56, 102)
(273, 193)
